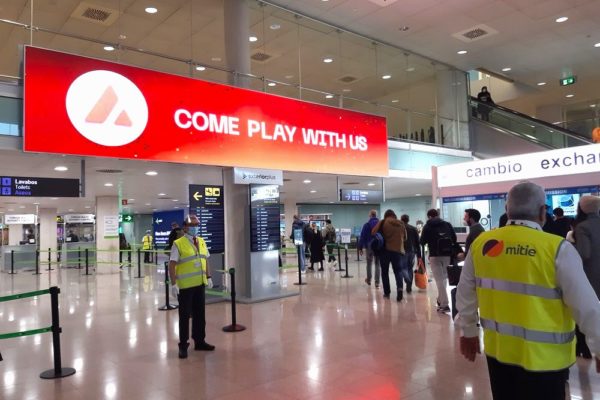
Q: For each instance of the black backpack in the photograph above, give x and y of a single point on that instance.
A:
(445, 244)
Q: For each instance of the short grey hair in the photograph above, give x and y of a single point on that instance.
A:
(524, 201)
(373, 213)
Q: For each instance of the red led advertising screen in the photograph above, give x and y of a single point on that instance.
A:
(83, 106)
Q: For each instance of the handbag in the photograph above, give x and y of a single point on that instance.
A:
(454, 271)
(421, 276)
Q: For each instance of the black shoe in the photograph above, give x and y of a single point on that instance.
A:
(399, 296)
(409, 290)
(311, 268)
(443, 309)
(321, 269)
(183, 351)
(204, 347)
(386, 295)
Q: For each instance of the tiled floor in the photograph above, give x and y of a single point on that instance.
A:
(338, 340)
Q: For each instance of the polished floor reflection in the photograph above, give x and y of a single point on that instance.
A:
(340, 339)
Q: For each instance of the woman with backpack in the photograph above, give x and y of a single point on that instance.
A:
(394, 234)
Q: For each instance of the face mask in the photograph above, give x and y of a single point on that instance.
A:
(193, 231)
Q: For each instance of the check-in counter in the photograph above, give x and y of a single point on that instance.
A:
(73, 254)
(24, 257)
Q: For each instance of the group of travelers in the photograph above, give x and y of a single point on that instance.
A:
(315, 242)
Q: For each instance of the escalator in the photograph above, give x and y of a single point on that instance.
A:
(497, 131)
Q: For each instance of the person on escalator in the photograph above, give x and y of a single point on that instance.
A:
(485, 103)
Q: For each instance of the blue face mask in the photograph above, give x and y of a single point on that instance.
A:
(193, 231)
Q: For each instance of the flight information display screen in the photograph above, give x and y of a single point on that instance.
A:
(206, 202)
(264, 218)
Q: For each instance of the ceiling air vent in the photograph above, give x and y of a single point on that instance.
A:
(348, 79)
(260, 57)
(110, 171)
(474, 33)
(352, 183)
(96, 14)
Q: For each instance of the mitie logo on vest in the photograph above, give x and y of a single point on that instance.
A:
(107, 108)
(494, 248)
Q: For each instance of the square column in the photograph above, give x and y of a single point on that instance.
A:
(107, 242)
(48, 235)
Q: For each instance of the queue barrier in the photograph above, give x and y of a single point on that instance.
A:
(58, 371)
(234, 326)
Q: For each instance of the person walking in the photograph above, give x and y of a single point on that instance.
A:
(173, 235)
(440, 238)
(530, 288)
(485, 103)
(394, 235)
(188, 271)
(147, 245)
(330, 241)
(317, 243)
(363, 244)
(412, 248)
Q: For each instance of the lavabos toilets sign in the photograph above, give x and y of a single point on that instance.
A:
(83, 106)
(568, 161)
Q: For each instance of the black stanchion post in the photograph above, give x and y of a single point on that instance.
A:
(58, 371)
(139, 254)
(79, 258)
(120, 258)
(357, 254)
(37, 262)
(168, 306)
(300, 252)
(339, 267)
(12, 262)
(129, 258)
(50, 259)
(234, 327)
(346, 261)
(87, 261)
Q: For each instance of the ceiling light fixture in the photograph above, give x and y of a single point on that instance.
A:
(175, 200)
(561, 19)
(61, 168)
(151, 173)
(148, 204)
(417, 194)
(371, 184)
(313, 191)
(151, 10)
(328, 60)
(108, 184)
(36, 204)
(461, 52)
(569, 96)
(88, 206)
(591, 105)
(162, 194)
(329, 96)
(404, 28)
(386, 77)
(597, 44)
(253, 39)
(271, 84)
(289, 76)
(200, 68)
(21, 206)
(53, 198)
(122, 37)
(307, 181)
(541, 83)
(346, 90)
(216, 59)
(410, 69)
(109, 48)
(506, 69)
(395, 101)
(71, 210)
(274, 27)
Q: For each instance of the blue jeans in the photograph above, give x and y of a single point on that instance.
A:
(410, 263)
(395, 258)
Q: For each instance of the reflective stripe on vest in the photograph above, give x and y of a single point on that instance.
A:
(190, 258)
(520, 288)
(525, 321)
(191, 267)
(528, 334)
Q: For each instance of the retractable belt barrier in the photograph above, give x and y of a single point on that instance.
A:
(234, 327)
(58, 371)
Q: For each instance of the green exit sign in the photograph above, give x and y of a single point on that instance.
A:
(568, 81)
(126, 218)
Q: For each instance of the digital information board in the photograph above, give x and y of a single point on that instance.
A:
(206, 202)
(361, 196)
(161, 222)
(19, 186)
(264, 218)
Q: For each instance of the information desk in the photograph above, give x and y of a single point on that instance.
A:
(24, 257)
(73, 254)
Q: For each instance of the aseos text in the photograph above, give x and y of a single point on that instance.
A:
(229, 125)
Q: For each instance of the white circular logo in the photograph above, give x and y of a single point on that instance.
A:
(107, 108)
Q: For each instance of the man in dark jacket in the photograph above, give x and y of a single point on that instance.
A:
(412, 247)
(439, 236)
(363, 243)
(472, 217)
(172, 235)
(562, 224)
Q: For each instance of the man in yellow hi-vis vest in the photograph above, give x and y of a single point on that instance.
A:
(147, 245)
(188, 271)
(530, 289)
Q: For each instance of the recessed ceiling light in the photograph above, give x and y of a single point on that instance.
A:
(200, 68)
(386, 77)
(108, 184)
(88, 206)
(151, 173)
(461, 52)
(122, 37)
(329, 96)
(331, 202)
(597, 44)
(569, 95)
(410, 69)
(274, 26)
(346, 90)
(154, 209)
(162, 194)
(591, 105)
(313, 191)
(417, 194)
(541, 83)
(289, 76)
(175, 200)
(506, 69)
(53, 198)
(561, 19)
(36, 204)
(328, 60)
(71, 210)
(21, 206)
(404, 28)
(271, 84)
(148, 204)
(216, 59)
(176, 207)
(130, 199)
(253, 39)
(371, 184)
(307, 181)
(61, 168)
(395, 101)
(151, 10)
(109, 48)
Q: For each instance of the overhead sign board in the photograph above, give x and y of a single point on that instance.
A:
(89, 107)
(264, 218)
(567, 161)
(206, 202)
(361, 196)
(21, 186)
(568, 81)
(19, 219)
(161, 222)
(247, 176)
(80, 218)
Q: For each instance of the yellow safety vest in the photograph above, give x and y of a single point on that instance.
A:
(191, 267)
(147, 242)
(525, 320)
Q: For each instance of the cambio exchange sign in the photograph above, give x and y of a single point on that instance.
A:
(82, 106)
(569, 161)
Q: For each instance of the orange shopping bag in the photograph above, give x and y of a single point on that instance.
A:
(421, 276)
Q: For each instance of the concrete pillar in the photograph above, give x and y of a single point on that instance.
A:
(237, 47)
(47, 239)
(15, 234)
(106, 243)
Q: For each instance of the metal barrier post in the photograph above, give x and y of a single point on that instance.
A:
(168, 306)
(234, 327)
(139, 253)
(129, 258)
(357, 254)
(12, 262)
(87, 262)
(37, 262)
(300, 252)
(58, 371)
(346, 260)
(79, 258)
(120, 257)
(50, 259)
(339, 268)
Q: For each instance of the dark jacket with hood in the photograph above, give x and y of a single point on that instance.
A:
(434, 229)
